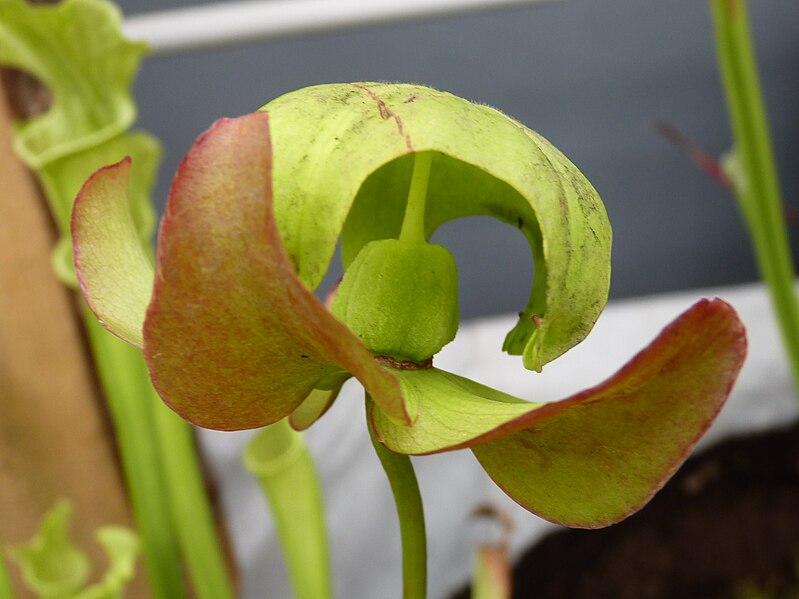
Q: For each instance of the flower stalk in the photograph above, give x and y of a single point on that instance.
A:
(752, 168)
(404, 486)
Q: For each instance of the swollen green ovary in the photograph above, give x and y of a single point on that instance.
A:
(400, 299)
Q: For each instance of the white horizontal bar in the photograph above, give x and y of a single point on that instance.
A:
(226, 23)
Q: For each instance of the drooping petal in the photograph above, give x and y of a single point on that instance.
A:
(313, 408)
(596, 457)
(343, 165)
(114, 271)
(232, 337)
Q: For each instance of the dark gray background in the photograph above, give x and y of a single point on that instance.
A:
(590, 75)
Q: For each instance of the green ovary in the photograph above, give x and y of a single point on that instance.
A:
(400, 298)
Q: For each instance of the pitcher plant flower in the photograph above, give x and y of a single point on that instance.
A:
(235, 338)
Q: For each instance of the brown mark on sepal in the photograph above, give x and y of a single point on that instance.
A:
(386, 113)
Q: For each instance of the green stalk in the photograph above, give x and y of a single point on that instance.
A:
(123, 376)
(164, 476)
(405, 488)
(279, 459)
(191, 511)
(755, 174)
(413, 222)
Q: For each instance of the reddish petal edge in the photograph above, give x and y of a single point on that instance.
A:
(233, 338)
(721, 328)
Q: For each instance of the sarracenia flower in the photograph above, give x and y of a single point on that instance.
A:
(235, 338)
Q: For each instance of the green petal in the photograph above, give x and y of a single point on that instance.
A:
(114, 270)
(453, 412)
(233, 338)
(342, 164)
(51, 565)
(596, 457)
(76, 48)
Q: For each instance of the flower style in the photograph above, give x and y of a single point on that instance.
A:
(235, 338)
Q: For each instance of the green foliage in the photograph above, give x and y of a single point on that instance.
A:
(54, 568)
(76, 49)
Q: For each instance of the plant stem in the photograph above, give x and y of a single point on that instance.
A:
(756, 183)
(163, 474)
(191, 511)
(405, 488)
(279, 459)
(413, 222)
(119, 368)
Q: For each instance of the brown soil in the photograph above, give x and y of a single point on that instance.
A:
(728, 521)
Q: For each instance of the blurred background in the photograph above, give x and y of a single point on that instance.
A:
(592, 77)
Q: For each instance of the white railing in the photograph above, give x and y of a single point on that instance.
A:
(227, 23)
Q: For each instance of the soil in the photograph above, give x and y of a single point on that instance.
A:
(726, 525)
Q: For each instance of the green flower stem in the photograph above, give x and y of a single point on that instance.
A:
(123, 376)
(405, 488)
(413, 221)
(191, 511)
(755, 178)
(279, 459)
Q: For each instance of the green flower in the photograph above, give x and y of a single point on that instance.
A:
(235, 338)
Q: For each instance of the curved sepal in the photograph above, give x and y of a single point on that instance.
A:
(232, 337)
(343, 165)
(596, 457)
(114, 270)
